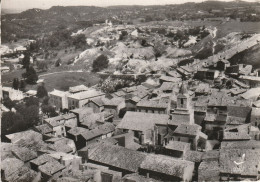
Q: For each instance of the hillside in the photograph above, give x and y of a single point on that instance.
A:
(249, 56)
(36, 22)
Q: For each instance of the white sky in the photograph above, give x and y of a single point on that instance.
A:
(45, 4)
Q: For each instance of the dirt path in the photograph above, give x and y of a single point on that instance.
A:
(71, 71)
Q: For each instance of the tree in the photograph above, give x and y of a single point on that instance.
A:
(100, 63)
(79, 40)
(22, 85)
(41, 91)
(32, 101)
(49, 110)
(42, 65)
(45, 100)
(26, 60)
(15, 83)
(58, 63)
(8, 103)
(11, 122)
(30, 113)
(30, 75)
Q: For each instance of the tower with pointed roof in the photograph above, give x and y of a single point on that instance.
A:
(184, 113)
(183, 99)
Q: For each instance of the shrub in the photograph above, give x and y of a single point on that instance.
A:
(100, 63)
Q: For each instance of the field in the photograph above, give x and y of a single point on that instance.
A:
(64, 80)
(7, 78)
(60, 81)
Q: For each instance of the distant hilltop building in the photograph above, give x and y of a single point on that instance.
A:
(108, 23)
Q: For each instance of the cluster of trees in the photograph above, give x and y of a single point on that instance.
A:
(30, 75)
(46, 108)
(62, 38)
(18, 84)
(111, 85)
(42, 65)
(100, 63)
(25, 115)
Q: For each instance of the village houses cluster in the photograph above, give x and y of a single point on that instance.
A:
(194, 124)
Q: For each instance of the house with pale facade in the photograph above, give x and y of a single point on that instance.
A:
(59, 99)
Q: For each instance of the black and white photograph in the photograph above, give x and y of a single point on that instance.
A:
(130, 90)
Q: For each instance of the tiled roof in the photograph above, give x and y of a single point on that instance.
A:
(236, 136)
(98, 101)
(113, 102)
(140, 121)
(58, 120)
(61, 147)
(98, 131)
(28, 134)
(32, 144)
(210, 155)
(231, 120)
(247, 159)
(78, 88)
(59, 93)
(44, 128)
(178, 145)
(238, 111)
(152, 104)
(138, 178)
(83, 110)
(86, 95)
(92, 134)
(6, 150)
(167, 86)
(170, 79)
(42, 159)
(51, 167)
(255, 111)
(116, 156)
(193, 156)
(186, 129)
(24, 173)
(257, 103)
(208, 171)
(166, 165)
(77, 131)
(10, 165)
(107, 128)
(174, 74)
(251, 93)
(24, 154)
(248, 144)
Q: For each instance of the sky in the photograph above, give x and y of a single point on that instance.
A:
(45, 4)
